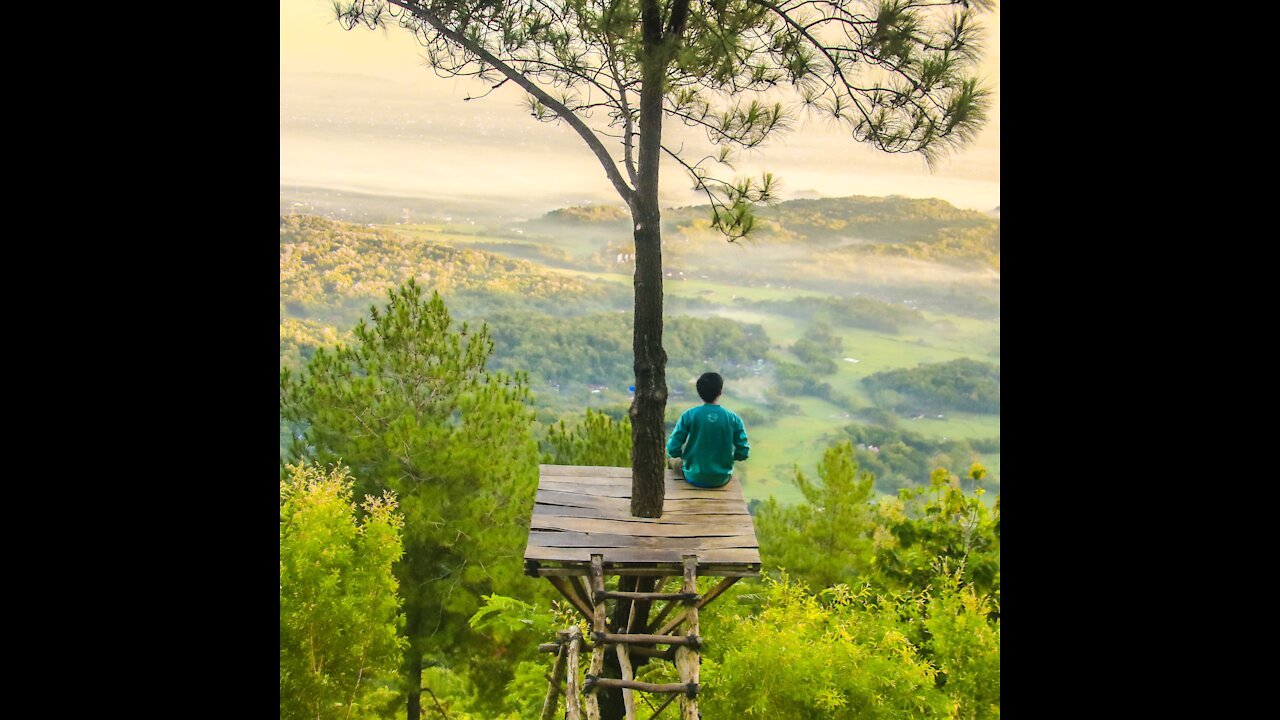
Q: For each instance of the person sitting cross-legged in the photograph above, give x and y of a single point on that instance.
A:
(708, 439)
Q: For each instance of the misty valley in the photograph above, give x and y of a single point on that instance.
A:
(873, 320)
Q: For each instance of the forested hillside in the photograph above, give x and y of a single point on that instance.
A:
(801, 360)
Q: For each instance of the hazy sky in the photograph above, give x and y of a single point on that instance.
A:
(359, 111)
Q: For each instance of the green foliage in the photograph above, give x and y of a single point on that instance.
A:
(299, 340)
(596, 349)
(597, 440)
(410, 406)
(818, 348)
(939, 530)
(905, 459)
(962, 384)
(964, 642)
(834, 655)
(920, 638)
(339, 610)
(609, 214)
(521, 625)
(826, 539)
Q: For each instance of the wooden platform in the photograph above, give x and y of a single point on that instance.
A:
(582, 510)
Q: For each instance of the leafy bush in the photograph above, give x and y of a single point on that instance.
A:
(962, 384)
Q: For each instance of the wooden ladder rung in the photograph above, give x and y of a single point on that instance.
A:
(624, 595)
(692, 641)
(691, 689)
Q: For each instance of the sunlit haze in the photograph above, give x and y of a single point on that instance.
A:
(359, 111)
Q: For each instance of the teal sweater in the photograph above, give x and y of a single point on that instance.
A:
(709, 438)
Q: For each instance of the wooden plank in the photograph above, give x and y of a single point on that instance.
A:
(667, 518)
(606, 540)
(622, 527)
(623, 514)
(677, 492)
(649, 569)
(674, 527)
(734, 556)
(585, 470)
(587, 479)
(681, 504)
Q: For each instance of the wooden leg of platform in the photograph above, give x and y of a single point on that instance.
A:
(624, 658)
(553, 692)
(598, 625)
(567, 589)
(666, 610)
(712, 594)
(687, 658)
(571, 683)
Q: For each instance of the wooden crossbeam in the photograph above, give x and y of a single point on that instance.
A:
(645, 639)
(712, 594)
(651, 596)
(645, 686)
(566, 589)
(662, 707)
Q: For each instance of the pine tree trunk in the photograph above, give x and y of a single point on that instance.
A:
(413, 667)
(648, 447)
(648, 441)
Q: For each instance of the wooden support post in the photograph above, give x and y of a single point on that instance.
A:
(687, 657)
(662, 614)
(571, 684)
(569, 592)
(662, 707)
(716, 591)
(598, 625)
(712, 594)
(628, 699)
(553, 692)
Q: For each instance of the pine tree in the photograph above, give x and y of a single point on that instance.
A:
(410, 407)
(896, 73)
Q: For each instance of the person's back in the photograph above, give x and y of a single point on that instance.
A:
(708, 438)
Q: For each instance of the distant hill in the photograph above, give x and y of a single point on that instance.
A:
(324, 261)
(928, 229)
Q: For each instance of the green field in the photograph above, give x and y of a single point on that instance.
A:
(792, 439)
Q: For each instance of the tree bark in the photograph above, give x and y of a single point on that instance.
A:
(648, 447)
(413, 666)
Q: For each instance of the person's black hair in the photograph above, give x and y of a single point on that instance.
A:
(709, 386)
